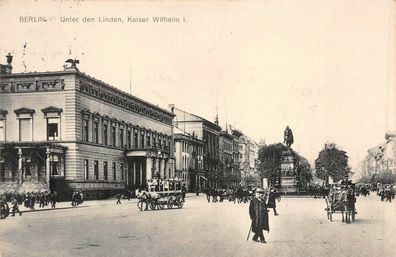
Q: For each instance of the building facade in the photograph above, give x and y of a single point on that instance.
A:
(248, 156)
(189, 159)
(229, 175)
(208, 132)
(67, 131)
(381, 158)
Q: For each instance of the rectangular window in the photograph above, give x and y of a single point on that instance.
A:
(135, 140)
(2, 171)
(54, 168)
(25, 130)
(85, 130)
(105, 134)
(113, 136)
(105, 170)
(52, 129)
(129, 139)
(86, 169)
(95, 132)
(96, 170)
(148, 140)
(154, 141)
(121, 137)
(142, 140)
(114, 171)
(2, 130)
(122, 171)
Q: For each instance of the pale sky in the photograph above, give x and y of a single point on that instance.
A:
(322, 67)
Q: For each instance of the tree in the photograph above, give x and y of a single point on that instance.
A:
(365, 180)
(269, 165)
(332, 162)
(270, 158)
(304, 172)
(384, 177)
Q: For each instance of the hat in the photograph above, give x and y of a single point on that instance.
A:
(259, 190)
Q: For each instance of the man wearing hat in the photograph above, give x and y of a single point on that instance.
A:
(272, 196)
(259, 215)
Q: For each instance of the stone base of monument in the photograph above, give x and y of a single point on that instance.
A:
(289, 185)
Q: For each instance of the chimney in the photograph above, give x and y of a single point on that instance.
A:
(7, 68)
(217, 119)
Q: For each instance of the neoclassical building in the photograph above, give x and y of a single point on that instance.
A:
(208, 133)
(189, 160)
(68, 131)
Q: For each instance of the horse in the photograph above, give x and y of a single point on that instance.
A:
(347, 199)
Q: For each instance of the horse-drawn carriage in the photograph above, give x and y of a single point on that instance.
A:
(161, 193)
(341, 200)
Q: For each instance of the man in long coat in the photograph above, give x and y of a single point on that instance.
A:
(259, 216)
(272, 196)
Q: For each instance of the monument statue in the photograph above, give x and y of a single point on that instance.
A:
(72, 64)
(288, 139)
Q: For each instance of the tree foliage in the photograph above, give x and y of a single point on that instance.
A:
(384, 178)
(269, 166)
(304, 171)
(332, 162)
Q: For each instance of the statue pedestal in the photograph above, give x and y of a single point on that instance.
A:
(288, 176)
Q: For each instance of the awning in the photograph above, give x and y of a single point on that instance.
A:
(203, 177)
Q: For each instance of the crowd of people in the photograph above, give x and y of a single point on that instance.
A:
(29, 200)
(386, 192)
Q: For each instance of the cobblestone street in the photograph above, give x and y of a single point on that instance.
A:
(102, 228)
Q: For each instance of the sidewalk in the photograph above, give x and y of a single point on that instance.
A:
(85, 204)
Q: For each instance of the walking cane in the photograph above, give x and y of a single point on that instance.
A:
(250, 229)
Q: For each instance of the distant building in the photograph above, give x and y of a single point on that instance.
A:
(248, 156)
(189, 160)
(228, 176)
(381, 158)
(68, 131)
(208, 132)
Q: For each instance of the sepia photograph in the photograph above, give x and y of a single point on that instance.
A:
(197, 128)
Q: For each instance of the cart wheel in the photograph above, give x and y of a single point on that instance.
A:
(170, 203)
(179, 201)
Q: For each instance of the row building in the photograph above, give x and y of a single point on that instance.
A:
(67, 131)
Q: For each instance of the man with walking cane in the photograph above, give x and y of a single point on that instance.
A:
(259, 216)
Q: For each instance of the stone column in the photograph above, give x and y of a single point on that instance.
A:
(134, 173)
(162, 171)
(149, 168)
(48, 167)
(20, 171)
(157, 166)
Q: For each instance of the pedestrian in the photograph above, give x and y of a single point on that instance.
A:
(54, 197)
(271, 200)
(118, 196)
(32, 201)
(41, 200)
(15, 208)
(207, 191)
(74, 195)
(184, 190)
(259, 215)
